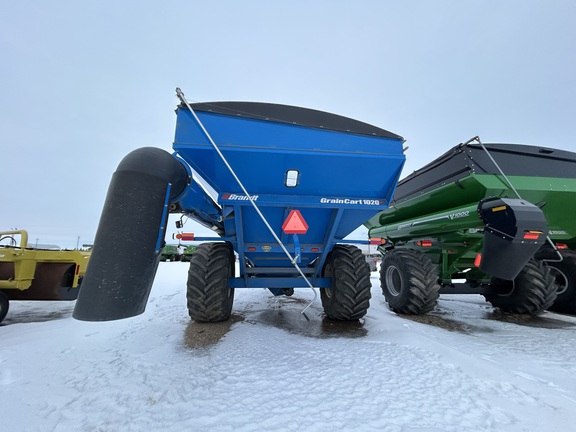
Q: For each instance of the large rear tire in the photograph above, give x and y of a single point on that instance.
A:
(564, 274)
(348, 298)
(409, 282)
(4, 305)
(531, 292)
(208, 296)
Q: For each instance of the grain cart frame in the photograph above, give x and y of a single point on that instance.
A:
(28, 273)
(458, 218)
(290, 184)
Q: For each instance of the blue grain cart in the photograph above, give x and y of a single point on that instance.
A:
(289, 184)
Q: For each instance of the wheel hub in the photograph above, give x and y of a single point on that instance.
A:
(394, 281)
(560, 280)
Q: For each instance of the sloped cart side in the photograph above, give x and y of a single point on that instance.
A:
(443, 214)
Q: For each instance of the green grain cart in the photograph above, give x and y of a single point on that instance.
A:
(494, 219)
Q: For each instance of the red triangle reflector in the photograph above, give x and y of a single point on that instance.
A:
(295, 223)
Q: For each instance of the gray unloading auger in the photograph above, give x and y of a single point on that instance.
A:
(130, 236)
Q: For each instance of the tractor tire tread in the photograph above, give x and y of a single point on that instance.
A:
(566, 302)
(534, 291)
(351, 284)
(422, 282)
(208, 297)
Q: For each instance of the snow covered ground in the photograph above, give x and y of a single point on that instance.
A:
(464, 367)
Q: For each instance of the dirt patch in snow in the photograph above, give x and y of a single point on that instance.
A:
(529, 320)
(294, 322)
(38, 311)
(203, 335)
(438, 321)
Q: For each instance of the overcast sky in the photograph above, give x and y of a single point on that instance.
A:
(82, 83)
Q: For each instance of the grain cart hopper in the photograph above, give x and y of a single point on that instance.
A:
(459, 218)
(291, 183)
(32, 273)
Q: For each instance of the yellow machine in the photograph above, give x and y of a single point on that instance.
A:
(28, 273)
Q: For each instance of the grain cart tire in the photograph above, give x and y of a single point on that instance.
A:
(409, 282)
(208, 296)
(564, 274)
(531, 292)
(349, 296)
(4, 306)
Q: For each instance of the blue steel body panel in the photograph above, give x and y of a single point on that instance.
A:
(344, 180)
(260, 152)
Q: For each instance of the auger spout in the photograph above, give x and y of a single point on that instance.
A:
(130, 235)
